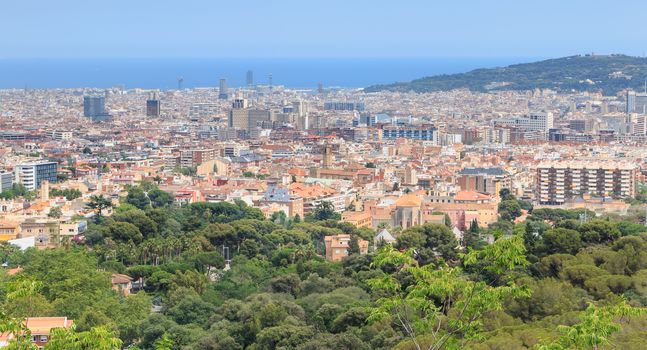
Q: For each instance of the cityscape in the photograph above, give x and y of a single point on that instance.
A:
(499, 207)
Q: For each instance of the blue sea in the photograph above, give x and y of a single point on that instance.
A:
(290, 72)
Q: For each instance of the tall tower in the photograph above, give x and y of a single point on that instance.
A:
(153, 105)
(180, 80)
(250, 78)
(327, 157)
(270, 82)
(631, 101)
(223, 95)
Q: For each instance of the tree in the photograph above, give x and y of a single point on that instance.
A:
(164, 343)
(597, 325)
(137, 197)
(561, 240)
(509, 209)
(99, 204)
(55, 213)
(431, 243)
(160, 199)
(325, 210)
(440, 302)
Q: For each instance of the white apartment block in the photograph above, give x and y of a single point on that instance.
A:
(560, 181)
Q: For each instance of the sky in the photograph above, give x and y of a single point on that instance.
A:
(319, 28)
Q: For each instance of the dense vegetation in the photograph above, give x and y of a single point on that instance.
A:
(574, 73)
(551, 282)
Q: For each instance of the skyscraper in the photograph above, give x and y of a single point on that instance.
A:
(250, 78)
(223, 95)
(153, 105)
(631, 101)
(94, 106)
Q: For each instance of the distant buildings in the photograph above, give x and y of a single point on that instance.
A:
(558, 182)
(32, 175)
(249, 78)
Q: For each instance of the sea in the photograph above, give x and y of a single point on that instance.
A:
(296, 73)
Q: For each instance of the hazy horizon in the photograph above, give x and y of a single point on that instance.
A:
(317, 29)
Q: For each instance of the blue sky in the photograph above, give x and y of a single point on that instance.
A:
(317, 28)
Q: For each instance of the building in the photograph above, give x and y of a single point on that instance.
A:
(122, 283)
(194, 157)
(223, 91)
(425, 132)
(249, 78)
(344, 106)
(249, 120)
(538, 121)
(560, 181)
(32, 175)
(39, 328)
(6, 180)
(94, 107)
(337, 247)
(636, 102)
(153, 105)
(484, 180)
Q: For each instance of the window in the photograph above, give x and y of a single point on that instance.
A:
(43, 338)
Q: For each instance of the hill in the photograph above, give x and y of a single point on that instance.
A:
(608, 73)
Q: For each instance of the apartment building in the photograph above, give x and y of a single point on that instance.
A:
(194, 157)
(559, 181)
(31, 175)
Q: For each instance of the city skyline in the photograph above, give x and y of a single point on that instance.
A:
(200, 29)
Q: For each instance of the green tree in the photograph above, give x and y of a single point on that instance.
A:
(99, 204)
(164, 343)
(597, 325)
(440, 302)
(55, 213)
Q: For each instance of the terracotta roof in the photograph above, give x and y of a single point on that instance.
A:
(408, 200)
(119, 278)
(470, 196)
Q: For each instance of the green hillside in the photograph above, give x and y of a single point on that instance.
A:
(608, 73)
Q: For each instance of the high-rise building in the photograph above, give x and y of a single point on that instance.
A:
(32, 175)
(153, 105)
(241, 117)
(250, 78)
(94, 106)
(631, 101)
(557, 182)
(223, 92)
(6, 180)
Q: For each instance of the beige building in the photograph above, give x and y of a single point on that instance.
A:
(337, 247)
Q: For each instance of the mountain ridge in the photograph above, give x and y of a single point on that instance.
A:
(607, 73)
